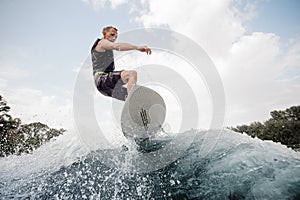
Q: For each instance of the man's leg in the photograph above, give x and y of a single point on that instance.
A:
(129, 77)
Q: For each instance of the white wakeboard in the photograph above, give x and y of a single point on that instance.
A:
(143, 113)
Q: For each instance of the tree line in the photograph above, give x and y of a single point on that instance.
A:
(17, 138)
(283, 127)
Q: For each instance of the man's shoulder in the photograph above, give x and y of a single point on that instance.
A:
(101, 44)
(95, 44)
(105, 44)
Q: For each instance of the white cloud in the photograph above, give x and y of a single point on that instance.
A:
(10, 67)
(13, 72)
(291, 62)
(251, 64)
(97, 4)
(116, 3)
(18, 86)
(249, 74)
(254, 57)
(253, 79)
(3, 83)
(244, 9)
(210, 23)
(31, 105)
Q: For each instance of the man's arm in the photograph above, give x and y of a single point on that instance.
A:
(107, 45)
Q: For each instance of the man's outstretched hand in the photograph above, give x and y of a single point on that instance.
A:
(144, 49)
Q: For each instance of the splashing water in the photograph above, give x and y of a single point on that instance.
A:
(238, 167)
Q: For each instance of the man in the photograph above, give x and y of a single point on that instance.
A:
(108, 81)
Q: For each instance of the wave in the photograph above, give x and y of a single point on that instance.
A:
(216, 164)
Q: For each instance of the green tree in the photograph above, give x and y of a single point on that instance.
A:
(283, 127)
(17, 138)
(9, 138)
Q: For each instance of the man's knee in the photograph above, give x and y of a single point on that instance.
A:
(133, 73)
(129, 75)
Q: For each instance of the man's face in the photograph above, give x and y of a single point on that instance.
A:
(111, 35)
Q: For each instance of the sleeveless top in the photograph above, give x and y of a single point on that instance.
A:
(102, 61)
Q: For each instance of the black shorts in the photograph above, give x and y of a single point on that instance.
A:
(111, 84)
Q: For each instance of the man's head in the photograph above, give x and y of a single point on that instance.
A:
(110, 33)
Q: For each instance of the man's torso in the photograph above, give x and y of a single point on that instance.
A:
(103, 61)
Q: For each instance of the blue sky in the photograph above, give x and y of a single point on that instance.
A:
(43, 43)
(280, 17)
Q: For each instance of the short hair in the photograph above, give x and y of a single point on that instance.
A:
(107, 28)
